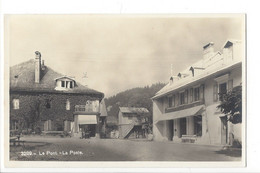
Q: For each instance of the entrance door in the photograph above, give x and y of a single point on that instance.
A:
(183, 126)
(224, 130)
(88, 130)
(170, 130)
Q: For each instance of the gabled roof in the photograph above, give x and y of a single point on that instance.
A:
(133, 110)
(209, 66)
(65, 77)
(22, 78)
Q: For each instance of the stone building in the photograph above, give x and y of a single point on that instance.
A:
(44, 100)
(185, 109)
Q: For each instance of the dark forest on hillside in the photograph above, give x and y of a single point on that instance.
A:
(135, 97)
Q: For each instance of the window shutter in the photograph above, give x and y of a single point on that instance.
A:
(201, 92)
(215, 92)
(230, 85)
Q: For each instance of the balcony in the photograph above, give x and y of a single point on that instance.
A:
(86, 109)
(184, 106)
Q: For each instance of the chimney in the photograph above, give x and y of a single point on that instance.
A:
(171, 80)
(208, 50)
(37, 67)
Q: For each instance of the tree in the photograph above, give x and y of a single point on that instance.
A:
(231, 104)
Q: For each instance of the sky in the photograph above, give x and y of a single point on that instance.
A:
(117, 52)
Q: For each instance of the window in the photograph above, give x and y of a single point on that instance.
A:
(71, 86)
(48, 104)
(62, 83)
(215, 92)
(182, 98)
(67, 105)
(191, 95)
(15, 103)
(222, 90)
(170, 101)
(173, 101)
(186, 97)
(196, 94)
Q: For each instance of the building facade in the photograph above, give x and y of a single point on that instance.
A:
(132, 122)
(185, 110)
(44, 100)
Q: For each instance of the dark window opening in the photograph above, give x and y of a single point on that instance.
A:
(182, 98)
(198, 125)
(196, 94)
(191, 95)
(183, 126)
(222, 90)
(48, 104)
(71, 84)
(170, 101)
(62, 83)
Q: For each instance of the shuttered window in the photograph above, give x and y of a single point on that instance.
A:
(215, 92)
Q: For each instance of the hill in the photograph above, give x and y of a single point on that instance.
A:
(135, 97)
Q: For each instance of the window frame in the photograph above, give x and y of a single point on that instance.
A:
(67, 105)
(182, 100)
(16, 104)
(195, 99)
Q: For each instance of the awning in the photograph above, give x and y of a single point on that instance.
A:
(181, 114)
(87, 119)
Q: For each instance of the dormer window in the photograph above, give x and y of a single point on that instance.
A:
(65, 83)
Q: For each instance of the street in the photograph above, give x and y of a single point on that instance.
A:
(37, 148)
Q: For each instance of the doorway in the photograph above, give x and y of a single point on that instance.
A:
(170, 130)
(183, 125)
(88, 130)
(224, 130)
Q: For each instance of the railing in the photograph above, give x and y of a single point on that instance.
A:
(86, 108)
(184, 106)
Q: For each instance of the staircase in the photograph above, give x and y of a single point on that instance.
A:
(126, 129)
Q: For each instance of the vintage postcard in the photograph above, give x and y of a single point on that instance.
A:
(125, 90)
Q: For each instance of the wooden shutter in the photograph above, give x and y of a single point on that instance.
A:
(201, 92)
(215, 92)
(230, 85)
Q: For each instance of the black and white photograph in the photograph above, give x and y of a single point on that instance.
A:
(131, 88)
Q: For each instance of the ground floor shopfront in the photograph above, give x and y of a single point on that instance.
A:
(82, 126)
(199, 124)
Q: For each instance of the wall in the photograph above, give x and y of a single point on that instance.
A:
(159, 128)
(31, 102)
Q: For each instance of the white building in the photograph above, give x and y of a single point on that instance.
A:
(185, 109)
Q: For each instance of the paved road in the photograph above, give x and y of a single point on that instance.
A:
(50, 148)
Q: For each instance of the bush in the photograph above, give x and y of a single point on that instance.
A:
(38, 130)
(236, 144)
